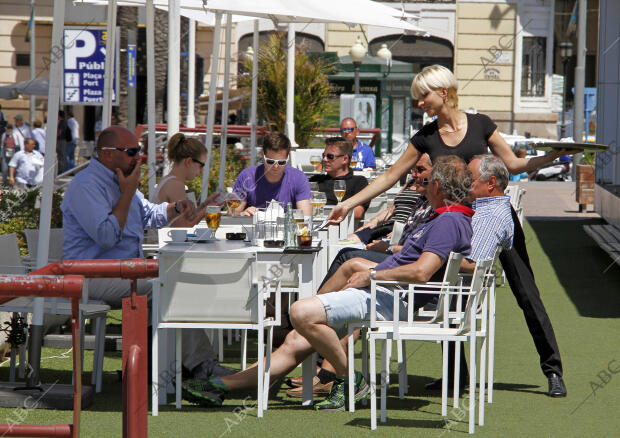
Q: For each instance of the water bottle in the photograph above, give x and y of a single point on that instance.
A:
(290, 238)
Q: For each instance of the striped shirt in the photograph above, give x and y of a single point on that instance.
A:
(405, 203)
(492, 225)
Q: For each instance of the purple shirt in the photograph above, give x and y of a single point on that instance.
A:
(450, 231)
(256, 191)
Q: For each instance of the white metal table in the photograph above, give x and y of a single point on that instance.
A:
(309, 278)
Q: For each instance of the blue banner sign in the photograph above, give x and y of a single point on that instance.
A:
(131, 65)
(84, 66)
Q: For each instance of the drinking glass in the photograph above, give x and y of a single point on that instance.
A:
(233, 201)
(298, 215)
(213, 217)
(315, 160)
(318, 202)
(340, 188)
(304, 234)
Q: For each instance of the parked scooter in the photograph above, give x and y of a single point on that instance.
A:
(559, 170)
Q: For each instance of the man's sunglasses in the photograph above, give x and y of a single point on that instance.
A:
(131, 152)
(347, 129)
(271, 161)
(421, 181)
(332, 156)
(199, 162)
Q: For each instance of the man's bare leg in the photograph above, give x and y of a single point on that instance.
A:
(310, 320)
(290, 354)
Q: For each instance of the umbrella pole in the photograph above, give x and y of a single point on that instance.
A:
(254, 95)
(47, 191)
(290, 85)
(150, 93)
(224, 134)
(191, 74)
(174, 74)
(110, 55)
(206, 171)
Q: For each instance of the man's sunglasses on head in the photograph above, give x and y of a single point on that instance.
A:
(332, 156)
(131, 152)
(347, 129)
(271, 161)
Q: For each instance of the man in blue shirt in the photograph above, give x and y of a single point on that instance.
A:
(362, 153)
(104, 217)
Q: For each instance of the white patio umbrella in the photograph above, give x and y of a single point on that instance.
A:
(318, 11)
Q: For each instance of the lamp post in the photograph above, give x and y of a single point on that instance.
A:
(384, 53)
(357, 54)
(566, 51)
(249, 53)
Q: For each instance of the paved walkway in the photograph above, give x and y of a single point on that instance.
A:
(552, 200)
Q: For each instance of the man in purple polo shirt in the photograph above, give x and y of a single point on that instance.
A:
(257, 185)
(318, 320)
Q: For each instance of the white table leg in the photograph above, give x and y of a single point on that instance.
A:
(307, 288)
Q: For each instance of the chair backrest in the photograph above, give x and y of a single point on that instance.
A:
(10, 260)
(478, 288)
(397, 232)
(450, 279)
(55, 244)
(207, 287)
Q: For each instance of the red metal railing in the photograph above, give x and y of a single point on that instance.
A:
(135, 398)
(69, 286)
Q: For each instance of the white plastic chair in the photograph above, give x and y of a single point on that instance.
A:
(467, 331)
(214, 290)
(55, 306)
(450, 278)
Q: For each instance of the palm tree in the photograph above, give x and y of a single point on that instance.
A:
(311, 88)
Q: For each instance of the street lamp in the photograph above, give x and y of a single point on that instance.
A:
(384, 53)
(249, 54)
(357, 54)
(566, 51)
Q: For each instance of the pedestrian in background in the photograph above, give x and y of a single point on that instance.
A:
(74, 127)
(9, 147)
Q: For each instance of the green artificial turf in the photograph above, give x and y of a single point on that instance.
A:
(581, 290)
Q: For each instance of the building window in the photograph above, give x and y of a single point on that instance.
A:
(22, 59)
(533, 66)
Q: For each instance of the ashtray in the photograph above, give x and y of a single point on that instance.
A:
(273, 243)
(236, 236)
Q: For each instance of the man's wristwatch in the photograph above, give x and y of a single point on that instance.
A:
(372, 273)
(176, 208)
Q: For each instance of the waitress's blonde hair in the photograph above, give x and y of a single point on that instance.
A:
(435, 78)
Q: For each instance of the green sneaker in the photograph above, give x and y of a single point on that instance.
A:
(337, 398)
(203, 392)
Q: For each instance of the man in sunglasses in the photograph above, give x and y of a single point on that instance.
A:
(336, 159)
(104, 213)
(258, 185)
(362, 153)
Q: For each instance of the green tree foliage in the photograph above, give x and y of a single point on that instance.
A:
(311, 88)
(21, 211)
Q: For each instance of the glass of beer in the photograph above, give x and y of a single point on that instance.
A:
(315, 160)
(298, 215)
(304, 234)
(319, 201)
(340, 188)
(213, 217)
(233, 201)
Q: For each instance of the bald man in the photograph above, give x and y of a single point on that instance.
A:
(104, 214)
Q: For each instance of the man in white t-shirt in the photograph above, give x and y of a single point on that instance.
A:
(25, 167)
